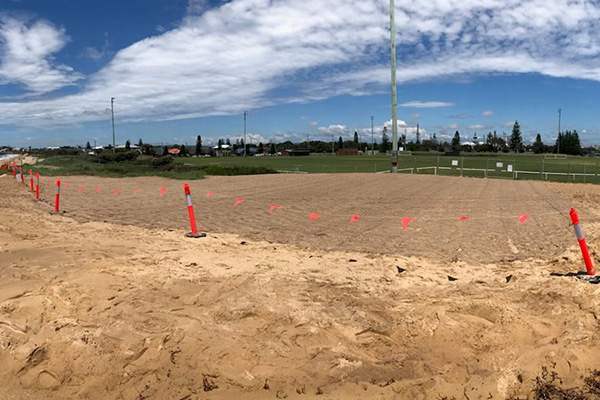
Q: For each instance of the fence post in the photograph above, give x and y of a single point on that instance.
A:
(462, 161)
(542, 173)
(437, 166)
(584, 169)
(487, 161)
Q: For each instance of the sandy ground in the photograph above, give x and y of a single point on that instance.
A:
(110, 301)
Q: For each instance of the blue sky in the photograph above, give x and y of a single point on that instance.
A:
(181, 68)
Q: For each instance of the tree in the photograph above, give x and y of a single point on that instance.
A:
(356, 138)
(340, 143)
(273, 151)
(516, 140)
(228, 142)
(198, 145)
(385, 140)
(88, 146)
(183, 150)
(569, 143)
(140, 143)
(165, 150)
(538, 145)
(261, 148)
(127, 145)
(456, 141)
(220, 143)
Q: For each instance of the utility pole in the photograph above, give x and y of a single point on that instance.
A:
(112, 113)
(418, 135)
(332, 145)
(394, 97)
(372, 138)
(245, 114)
(558, 137)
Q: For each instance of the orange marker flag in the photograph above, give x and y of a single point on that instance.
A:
(405, 222)
(464, 218)
(116, 191)
(273, 207)
(136, 191)
(354, 218)
(80, 189)
(238, 201)
(523, 217)
(210, 193)
(163, 191)
(97, 190)
(314, 216)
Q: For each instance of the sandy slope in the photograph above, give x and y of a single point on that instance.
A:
(105, 310)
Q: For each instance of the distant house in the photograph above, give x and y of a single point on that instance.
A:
(223, 151)
(347, 152)
(295, 153)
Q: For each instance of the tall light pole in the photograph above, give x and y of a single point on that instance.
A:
(112, 113)
(372, 139)
(558, 137)
(394, 97)
(245, 113)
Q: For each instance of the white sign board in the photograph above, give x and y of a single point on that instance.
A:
(454, 163)
(400, 148)
(499, 165)
(509, 168)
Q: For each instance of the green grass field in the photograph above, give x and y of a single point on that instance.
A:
(573, 169)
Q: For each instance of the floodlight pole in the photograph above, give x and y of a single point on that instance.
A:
(394, 97)
(245, 114)
(372, 140)
(558, 137)
(112, 113)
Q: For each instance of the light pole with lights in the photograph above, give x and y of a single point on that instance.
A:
(112, 113)
(245, 114)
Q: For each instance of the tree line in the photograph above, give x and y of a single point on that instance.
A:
(567, 143)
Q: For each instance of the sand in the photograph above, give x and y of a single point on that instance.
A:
(109, 300)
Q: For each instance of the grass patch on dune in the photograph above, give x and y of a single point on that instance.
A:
(128, 164)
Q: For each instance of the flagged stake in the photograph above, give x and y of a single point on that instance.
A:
(523, 217)
(238, 201)
(405, 222)
(97, 190)
(80, 189)
(163, 191)
(273, 207)
(116, 192)
(354, 218)
(210, 193)
(464, 218)
(136, 191)
(314, 216)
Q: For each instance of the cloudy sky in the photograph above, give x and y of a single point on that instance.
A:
(301, 68)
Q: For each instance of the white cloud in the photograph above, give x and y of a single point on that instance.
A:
(337, 130)
(426, 104)
(26, 51)
(307, 50)
(479, 127)
(415, 116)
(509, 124)
(487, 113)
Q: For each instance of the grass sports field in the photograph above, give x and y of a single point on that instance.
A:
(509, 166)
